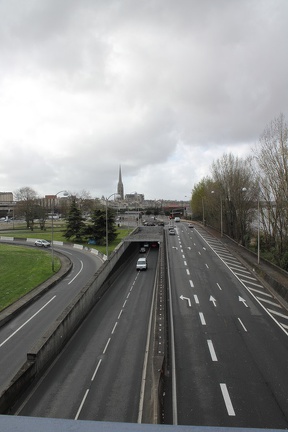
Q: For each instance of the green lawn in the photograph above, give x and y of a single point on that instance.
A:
(22, 269)
(58, 232)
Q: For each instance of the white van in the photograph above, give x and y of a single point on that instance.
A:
(141, 264)
(177, 219)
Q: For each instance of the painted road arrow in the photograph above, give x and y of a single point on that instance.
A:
(186, 298)
(241, 299)
(213, 300)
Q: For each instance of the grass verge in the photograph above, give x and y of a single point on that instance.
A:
(22, 269)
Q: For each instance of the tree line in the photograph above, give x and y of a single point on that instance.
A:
(72, 210)
(244, 197)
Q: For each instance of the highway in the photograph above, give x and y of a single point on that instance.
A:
(228, 346)
(231, 354)
(18, 335)
(99, 375)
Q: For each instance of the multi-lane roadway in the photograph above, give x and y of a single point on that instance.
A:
(231, 354)
(100, 375)
(228, 346)
(22, 332)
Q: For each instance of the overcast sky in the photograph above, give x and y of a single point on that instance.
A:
(162, 87)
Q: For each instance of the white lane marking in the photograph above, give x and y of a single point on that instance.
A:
(207, 266)
(277, 313)
(106, 346)
(185, 263)
(202, 319)
(227, 399)
(26, 322)
(284, 325)
(212, 351)
(246, 287)
(114, 327)
(219, 287)
(251, 283)
(124, 304)
(260, 292)
(191, 283)
(186, 298)
(81, 405)
(196, 299)
(245, 276)
(188, 272)
(120, 314)
(270, 302)
(77, 273)
(242, 324)
(96, 370)
(213, 300)
(241, 299)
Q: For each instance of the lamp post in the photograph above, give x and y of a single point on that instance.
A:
(65, 193)
(106, 201)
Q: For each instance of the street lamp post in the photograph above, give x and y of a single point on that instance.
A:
(65, 193)
(106, 200)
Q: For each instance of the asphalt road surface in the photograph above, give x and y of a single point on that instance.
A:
(21, 333)
(99, 374)
(231, 355)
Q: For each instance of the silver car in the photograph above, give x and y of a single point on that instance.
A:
(42, 243)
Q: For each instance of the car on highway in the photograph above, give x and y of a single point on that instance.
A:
(42, 243)
(141, 264)
(172, 232)
(142, 250)
(190, 225)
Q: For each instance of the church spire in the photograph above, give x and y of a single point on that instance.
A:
(120, 187)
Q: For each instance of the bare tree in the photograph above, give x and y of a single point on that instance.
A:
(271, 155)
(235, 189)
(27, 204)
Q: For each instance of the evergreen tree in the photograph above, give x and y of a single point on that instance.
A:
(75, 223)
(97, 229)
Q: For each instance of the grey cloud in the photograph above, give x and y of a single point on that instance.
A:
(133, 82)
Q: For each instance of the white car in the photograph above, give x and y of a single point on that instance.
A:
(42, 243)
(141, 264)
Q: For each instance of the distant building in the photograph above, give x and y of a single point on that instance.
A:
(134, 198)
(6, 204)
(120, 187)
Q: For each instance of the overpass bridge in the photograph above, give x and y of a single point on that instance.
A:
(146, 234)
